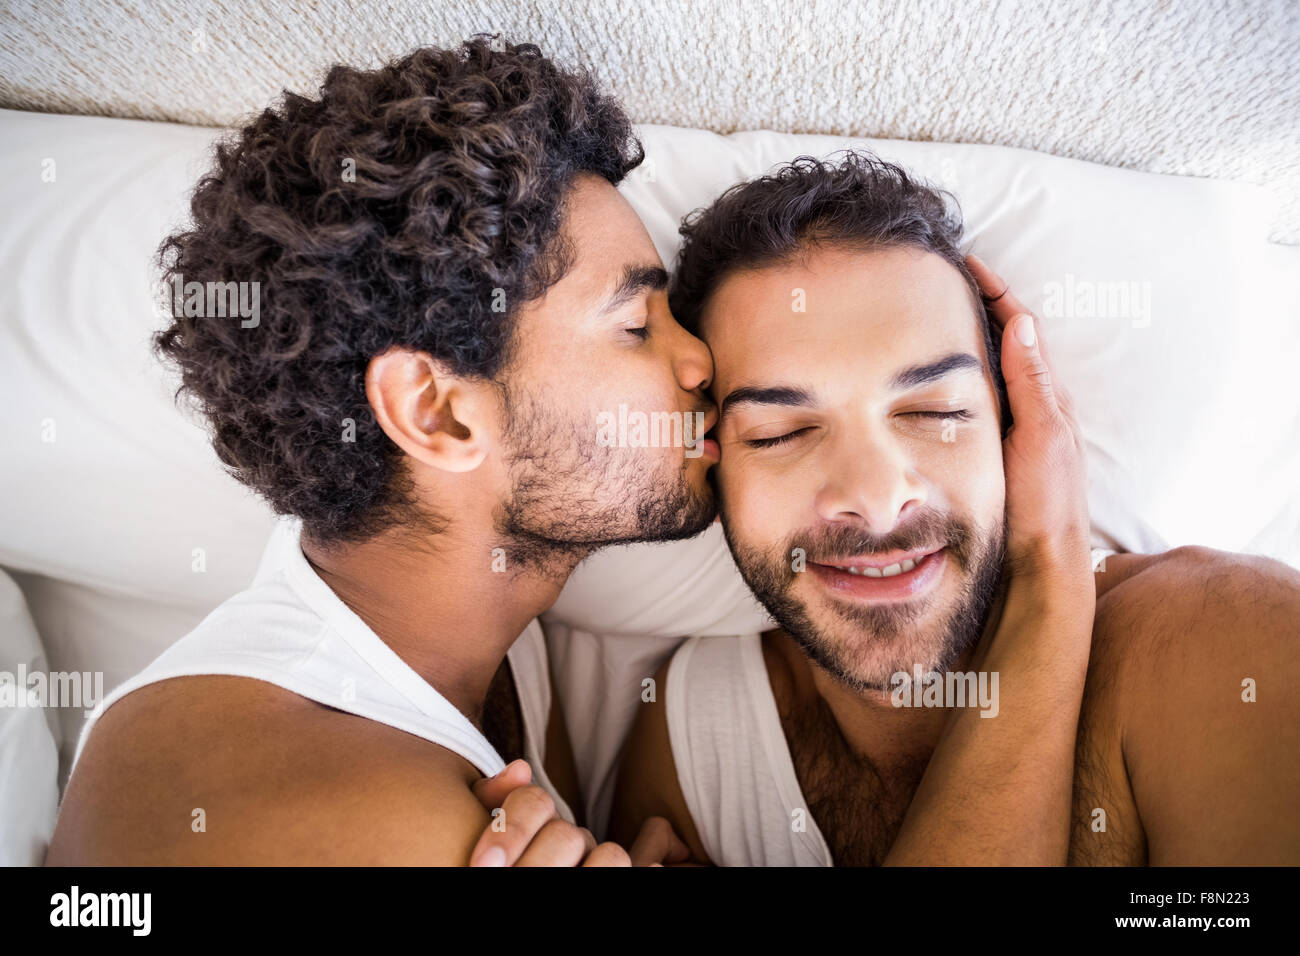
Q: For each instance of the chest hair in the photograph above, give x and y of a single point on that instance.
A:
(858, 805)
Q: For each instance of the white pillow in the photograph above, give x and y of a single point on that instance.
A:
(29, 745)
(107, 484)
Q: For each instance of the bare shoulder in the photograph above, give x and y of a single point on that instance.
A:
(647, 784)
(221, 770)
(1194, 652)
(1190, 594)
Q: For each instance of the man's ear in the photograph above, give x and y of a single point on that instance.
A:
(443, 420)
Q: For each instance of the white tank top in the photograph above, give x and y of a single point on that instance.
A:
(733, 763)
(620, 617)
(290, 629)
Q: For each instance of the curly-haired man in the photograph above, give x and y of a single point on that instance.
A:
(450, 292)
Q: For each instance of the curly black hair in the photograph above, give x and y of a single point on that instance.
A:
(859, 201)
(417, 205)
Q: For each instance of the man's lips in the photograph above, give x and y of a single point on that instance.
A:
(709, 449)
(872, 582)
(709, 446)
(879, 561)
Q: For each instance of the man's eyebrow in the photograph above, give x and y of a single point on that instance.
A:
(635, 280)
(932, 371)
(772, 395)
(790, 395)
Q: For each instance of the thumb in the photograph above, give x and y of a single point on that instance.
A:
(492, 791)
(1030, 391)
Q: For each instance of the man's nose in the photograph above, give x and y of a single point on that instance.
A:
(868, 477)
(692, 360)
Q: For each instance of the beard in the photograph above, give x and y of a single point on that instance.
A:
(569, 496)
(861, 645)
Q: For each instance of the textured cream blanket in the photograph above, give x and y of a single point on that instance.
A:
(1199, 88)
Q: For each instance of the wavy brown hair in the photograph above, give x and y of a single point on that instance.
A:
(853, 199)
(417, 205)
